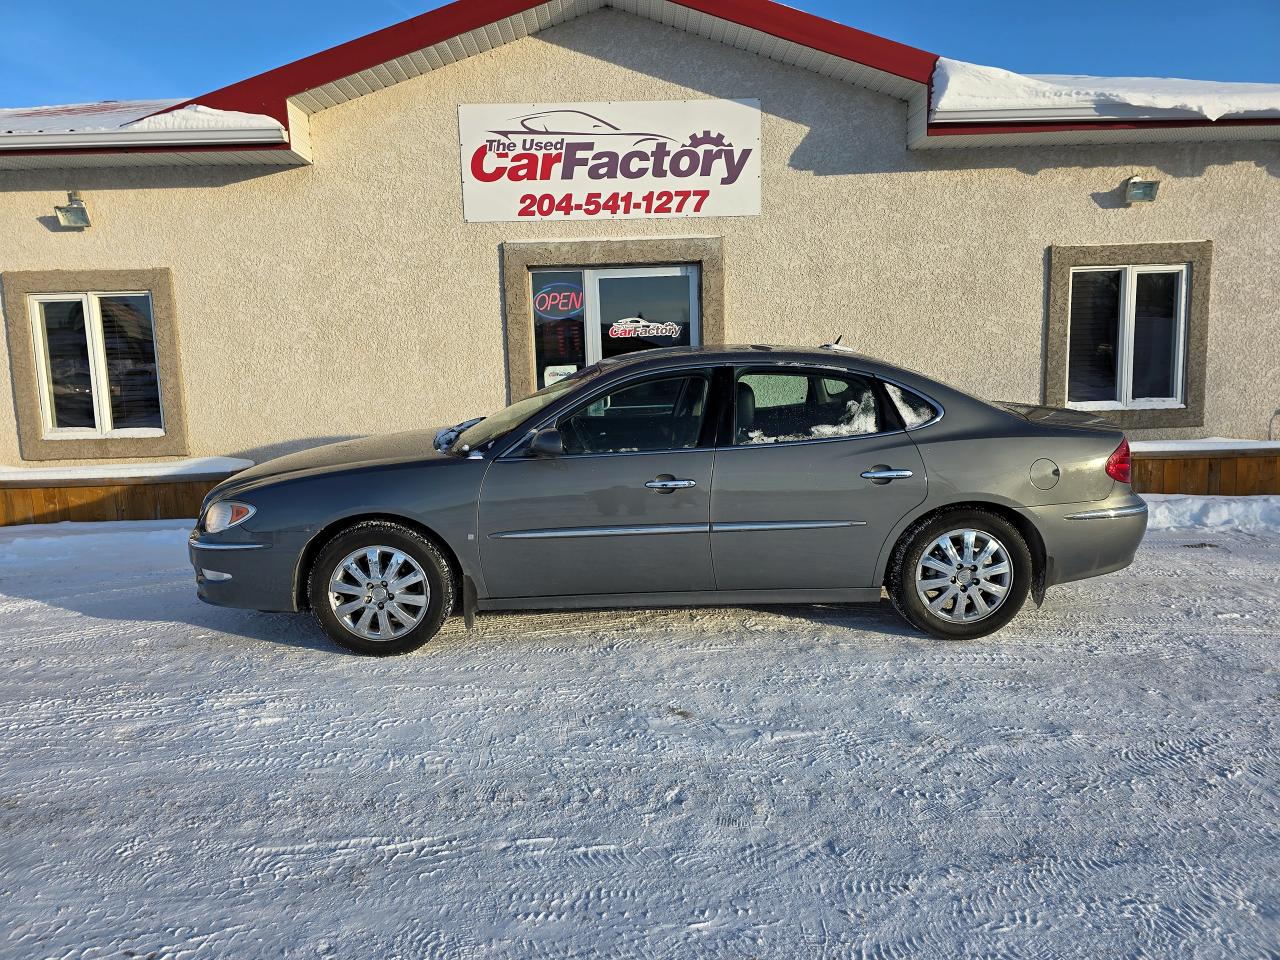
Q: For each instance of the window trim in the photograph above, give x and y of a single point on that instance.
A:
(1061, 260)
(99, 381)
(17, 287)
(1128, 322)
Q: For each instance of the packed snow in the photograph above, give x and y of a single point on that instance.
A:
(185, 781)
(126, 116)
(1200, 445)
(196, 117)
(185, 467)
(108, 115)
(1259, 515)
(969, 87)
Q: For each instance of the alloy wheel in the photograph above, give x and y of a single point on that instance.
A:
(379, 593)
(964, 576)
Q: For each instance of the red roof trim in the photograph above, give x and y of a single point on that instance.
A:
(174, 148)
(267, 92)
(978, 128)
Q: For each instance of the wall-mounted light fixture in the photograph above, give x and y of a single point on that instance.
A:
(75, 214)
(1137, 190)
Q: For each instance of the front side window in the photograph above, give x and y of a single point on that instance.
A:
(776, 407)
(1126, 337)
(96, 365)
(650, 416)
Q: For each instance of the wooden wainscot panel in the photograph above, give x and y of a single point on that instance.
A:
(1228, 472)
(118, 499)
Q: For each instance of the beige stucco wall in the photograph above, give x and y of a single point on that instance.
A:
(350, 297)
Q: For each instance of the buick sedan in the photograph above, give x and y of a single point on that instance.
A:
(731, 475)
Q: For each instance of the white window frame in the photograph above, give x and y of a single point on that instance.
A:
(90, 303)
(1124, 359)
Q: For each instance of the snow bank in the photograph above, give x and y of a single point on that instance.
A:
(108, 115)
(1207, 443)
(134, 544)
(196, 117)
(133, 116)
(189, 467)
(964, 87)
(1246, 514)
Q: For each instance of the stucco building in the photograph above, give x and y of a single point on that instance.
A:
(418, 226)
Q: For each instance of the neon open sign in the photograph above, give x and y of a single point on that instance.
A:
(558, 301)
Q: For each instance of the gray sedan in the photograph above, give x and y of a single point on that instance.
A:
(736, 475)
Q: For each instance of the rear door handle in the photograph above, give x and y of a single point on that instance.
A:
(667, 484)
(882, 474)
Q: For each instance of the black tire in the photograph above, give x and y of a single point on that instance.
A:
(917, 539)
(437, 573)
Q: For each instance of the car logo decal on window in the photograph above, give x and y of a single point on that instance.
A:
(640, 327)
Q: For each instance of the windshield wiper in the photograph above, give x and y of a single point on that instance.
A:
(448, 436)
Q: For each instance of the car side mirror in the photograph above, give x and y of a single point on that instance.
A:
(547, 442)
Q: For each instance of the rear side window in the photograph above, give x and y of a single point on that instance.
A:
(654, 415)
(787, 407)
(912, 408)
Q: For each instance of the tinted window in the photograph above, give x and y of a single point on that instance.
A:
(913, 408)
(786, 407)
(1095, 336)
(663, 414)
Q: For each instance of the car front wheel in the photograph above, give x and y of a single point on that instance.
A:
(960, 575)
(380, 588)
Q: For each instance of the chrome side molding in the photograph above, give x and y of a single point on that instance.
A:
(1109, 513)
(558, 533)
(784, 525)
(197, 545)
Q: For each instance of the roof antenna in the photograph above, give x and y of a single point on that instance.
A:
(836, 341)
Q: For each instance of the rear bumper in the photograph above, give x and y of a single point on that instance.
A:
(254, 576)
(1089, 539)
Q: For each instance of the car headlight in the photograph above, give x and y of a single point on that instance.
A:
(226, 513)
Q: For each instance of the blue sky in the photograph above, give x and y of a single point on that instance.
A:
(68, 51)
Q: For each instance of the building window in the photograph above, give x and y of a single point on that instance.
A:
(94, 359)
(1128, 332)
(568, 303)
(1127, 337)
(96, 365)
(583, 316)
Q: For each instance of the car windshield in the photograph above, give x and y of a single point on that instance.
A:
(494, 426)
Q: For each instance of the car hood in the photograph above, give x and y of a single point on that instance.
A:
(409, 446)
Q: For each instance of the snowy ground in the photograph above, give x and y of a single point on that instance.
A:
(176, 780)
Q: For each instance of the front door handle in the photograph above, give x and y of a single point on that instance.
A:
(881, 474)
(667, 484)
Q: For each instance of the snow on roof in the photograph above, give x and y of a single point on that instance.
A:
(112, 116)
(970, 91)
(79, 117)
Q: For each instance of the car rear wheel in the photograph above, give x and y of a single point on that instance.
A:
(380, 588)
(960, 575)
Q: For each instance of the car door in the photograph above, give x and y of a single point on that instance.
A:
(625, 508)
(815, 473)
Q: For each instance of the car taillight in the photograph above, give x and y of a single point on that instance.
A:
(1120, 463)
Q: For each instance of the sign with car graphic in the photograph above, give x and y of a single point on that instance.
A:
(597, 161)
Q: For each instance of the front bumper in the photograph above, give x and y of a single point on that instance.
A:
(247, 574)
(1089, 539)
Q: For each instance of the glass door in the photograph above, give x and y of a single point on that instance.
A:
(581, 316)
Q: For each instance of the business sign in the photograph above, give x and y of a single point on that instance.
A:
(558, 301)
(610, 161)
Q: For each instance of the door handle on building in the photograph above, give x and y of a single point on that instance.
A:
(882, 474)
(667, 484)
